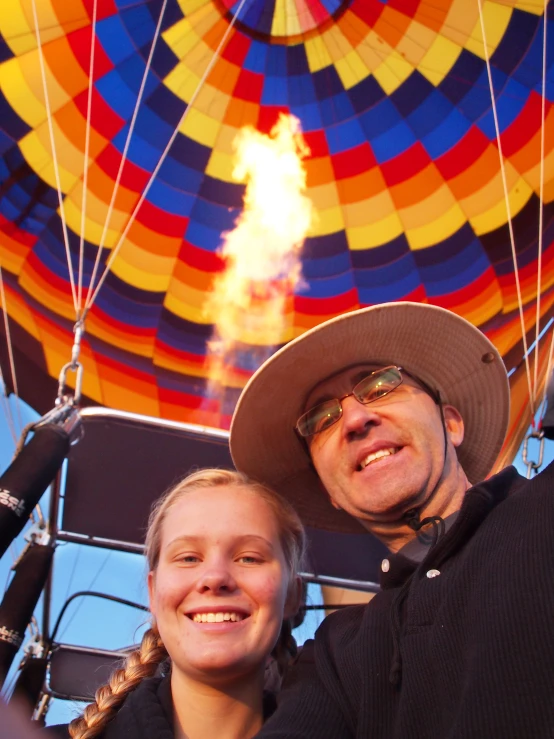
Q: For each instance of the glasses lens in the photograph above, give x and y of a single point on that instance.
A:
(377, 385)
(319, 418)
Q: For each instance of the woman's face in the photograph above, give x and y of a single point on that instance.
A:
(219, 592)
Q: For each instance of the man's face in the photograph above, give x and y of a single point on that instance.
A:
(380, 460)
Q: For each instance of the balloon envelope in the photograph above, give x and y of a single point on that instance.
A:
(404, 172)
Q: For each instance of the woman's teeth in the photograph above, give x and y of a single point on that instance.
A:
(214, 618)
(377, 455)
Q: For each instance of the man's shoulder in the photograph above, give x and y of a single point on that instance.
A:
(341, 628)
(516, 486)
(545, 477)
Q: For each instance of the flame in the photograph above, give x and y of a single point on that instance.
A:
(251, 298)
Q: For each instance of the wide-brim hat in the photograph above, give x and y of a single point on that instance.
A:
(433, 344)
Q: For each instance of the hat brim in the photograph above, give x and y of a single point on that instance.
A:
(431, 343)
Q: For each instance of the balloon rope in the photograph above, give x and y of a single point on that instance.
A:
(508, 209)
(5, 401)
(548, 376)
(164, 154)
(88, 301)
(11, 359)
(541, 208)
(85, 167)
(54, 157)
(92, 583)
(7, 409)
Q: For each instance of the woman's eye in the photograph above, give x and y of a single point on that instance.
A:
(250, 559)
(189, 558)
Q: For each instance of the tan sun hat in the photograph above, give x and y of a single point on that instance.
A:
(431, 343)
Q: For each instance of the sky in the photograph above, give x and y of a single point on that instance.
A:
(97, 623)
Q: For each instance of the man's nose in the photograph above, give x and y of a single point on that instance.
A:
(357, 418)
(216, 577)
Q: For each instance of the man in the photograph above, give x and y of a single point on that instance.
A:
(389, 418)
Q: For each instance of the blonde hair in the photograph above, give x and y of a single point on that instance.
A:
(144, 661)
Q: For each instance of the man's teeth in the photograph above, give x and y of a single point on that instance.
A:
(214, 618)
(377, 455)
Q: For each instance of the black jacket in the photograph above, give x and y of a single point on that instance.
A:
(460, 646)
(147, 713)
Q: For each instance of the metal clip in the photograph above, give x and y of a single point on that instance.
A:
(34, 647)
(63, 397)
(42, 708)
(36, 534)
(78, 330)
(65, 415)
(75, 366)
(533, 467)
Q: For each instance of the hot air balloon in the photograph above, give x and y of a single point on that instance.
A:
(430, 131)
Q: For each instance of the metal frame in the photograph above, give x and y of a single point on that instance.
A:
(109, 655)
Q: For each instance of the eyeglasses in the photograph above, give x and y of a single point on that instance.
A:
(375, 386)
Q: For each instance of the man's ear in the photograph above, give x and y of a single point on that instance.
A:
(150, 581)
(454, 424)
(294, 598)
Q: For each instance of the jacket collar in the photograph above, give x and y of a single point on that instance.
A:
(478, 502)
(147, 712)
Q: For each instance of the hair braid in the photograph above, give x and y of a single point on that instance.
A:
(286, 648)
(281, 657)
(140, 664)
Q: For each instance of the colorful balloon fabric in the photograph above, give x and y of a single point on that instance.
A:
(404, 172)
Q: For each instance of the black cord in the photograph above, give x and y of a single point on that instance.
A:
(93, 594)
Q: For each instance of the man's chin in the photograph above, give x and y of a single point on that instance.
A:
(388, 515)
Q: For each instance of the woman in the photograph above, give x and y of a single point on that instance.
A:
(223, 556)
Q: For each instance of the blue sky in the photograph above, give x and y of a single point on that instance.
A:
(94, 622)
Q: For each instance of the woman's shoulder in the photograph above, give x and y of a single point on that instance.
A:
(61, 731)
(146, 712)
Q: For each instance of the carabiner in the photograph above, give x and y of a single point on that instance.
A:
(62, 395)
(533, 466)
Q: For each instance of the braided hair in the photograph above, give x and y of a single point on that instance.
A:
(144, 661)
(139, 664)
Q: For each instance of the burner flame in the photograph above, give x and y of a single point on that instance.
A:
(251, 299)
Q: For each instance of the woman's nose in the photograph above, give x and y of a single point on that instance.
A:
(216, 577)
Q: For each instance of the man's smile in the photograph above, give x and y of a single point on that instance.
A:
(374, 457)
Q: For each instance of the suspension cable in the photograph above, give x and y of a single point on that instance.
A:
(5, 399)
(10, 352)
(7, 410)
(72, 575)
(55, 157)
(88, 301)
(86, 163)
(164, 154)
(508, 208)
(91, 585)
(541, 207)
(549, 367)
